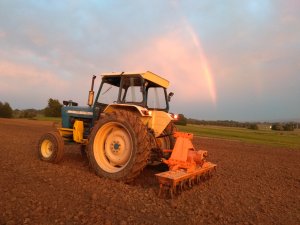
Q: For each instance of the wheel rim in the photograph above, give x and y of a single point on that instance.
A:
(112, 147)
(46, 148)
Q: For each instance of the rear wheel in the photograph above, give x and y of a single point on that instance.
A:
(51, 147)
(170, 129)
(168, 141)
(119, 146)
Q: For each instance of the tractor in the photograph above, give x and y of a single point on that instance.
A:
(126, 127)
(123, 130)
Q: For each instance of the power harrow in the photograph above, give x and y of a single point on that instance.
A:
(187, 167)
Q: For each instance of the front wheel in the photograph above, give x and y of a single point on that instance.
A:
(51, 147)
(119, 146)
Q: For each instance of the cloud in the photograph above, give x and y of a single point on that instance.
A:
(247, 57)
(175, 56)
(28, 84)
(2, 34)
(29, 75)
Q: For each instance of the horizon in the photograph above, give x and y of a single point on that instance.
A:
(283, 120)
(225, 61)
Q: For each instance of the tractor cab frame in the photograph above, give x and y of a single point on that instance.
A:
(146, 90)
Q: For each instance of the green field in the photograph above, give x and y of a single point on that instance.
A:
(289, 139)
(44, 118)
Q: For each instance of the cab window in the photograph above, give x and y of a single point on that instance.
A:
(156, 98)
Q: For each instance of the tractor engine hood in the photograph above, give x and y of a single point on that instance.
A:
(69, 112)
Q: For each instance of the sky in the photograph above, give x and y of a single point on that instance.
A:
(225, 60)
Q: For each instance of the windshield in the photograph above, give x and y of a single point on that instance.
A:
(109, 94)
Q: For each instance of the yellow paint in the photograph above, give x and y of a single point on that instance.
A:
(75, 134)
(155, 79)
(159, 121)
(78, 131)
(146, 75)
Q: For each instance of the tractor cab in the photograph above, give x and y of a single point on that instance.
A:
(146, 90)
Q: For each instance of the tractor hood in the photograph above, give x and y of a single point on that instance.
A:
(69, 112)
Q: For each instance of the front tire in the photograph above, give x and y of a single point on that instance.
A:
(51, 147)
(119, 146)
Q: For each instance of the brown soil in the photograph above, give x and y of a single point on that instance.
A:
(253, 185)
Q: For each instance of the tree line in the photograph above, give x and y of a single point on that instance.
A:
(5, 110)
(289, 126)
(53, 109)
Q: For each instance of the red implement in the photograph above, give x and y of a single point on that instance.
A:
(187, 166)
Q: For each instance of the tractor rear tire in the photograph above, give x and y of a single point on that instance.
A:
(167, 142)
(119, 146)
(51, 147)
(170, 129)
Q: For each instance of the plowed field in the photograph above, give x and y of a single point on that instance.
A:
(254, 184)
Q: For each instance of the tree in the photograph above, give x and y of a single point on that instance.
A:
(54, 108)
(5, 110)
(28, 113)
(181, 120)
(289, 127)
(277, 126)
(285, 127)
(253, 126)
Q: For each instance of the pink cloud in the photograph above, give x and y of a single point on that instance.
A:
(176, 56)
(2, 34)
(15, 76)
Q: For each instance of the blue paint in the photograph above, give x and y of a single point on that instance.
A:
(67, 115)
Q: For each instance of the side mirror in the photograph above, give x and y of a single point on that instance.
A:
(170, 95)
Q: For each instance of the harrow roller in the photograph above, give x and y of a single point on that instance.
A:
(174, 182)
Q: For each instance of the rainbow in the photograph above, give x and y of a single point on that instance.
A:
(204, 63)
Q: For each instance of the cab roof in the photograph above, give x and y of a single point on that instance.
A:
(152, 77)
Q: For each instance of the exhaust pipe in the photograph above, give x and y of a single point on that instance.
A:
(91, 92)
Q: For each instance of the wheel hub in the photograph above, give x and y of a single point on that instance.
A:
(115, 146)
(47, 148)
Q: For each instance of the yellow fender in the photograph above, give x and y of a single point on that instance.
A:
(156, 120)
